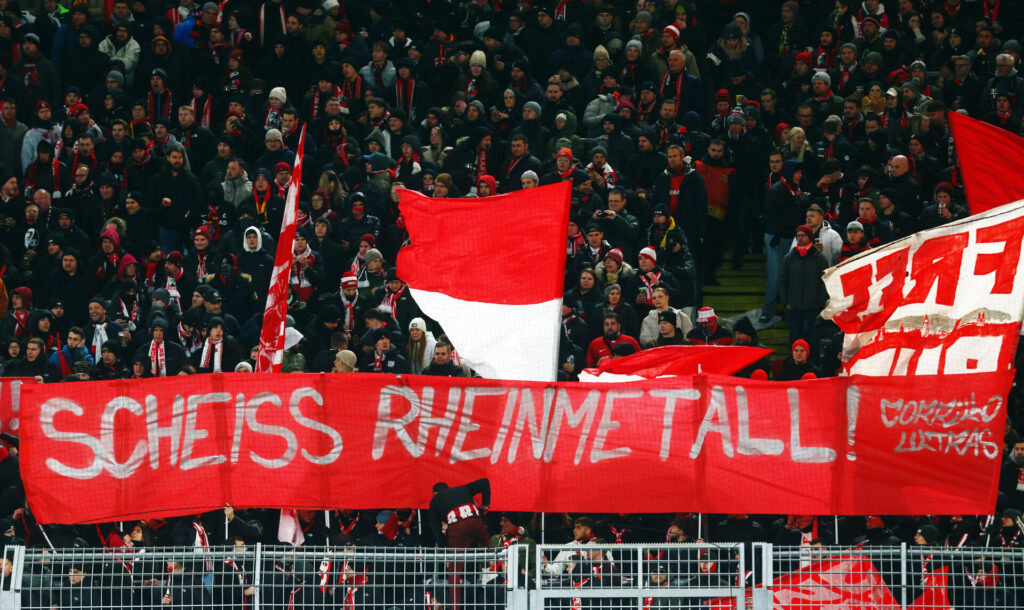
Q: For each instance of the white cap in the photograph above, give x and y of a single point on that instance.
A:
(279, 94)
(291, 338)
(418, 323)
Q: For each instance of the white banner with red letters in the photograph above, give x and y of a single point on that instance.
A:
(947, 300)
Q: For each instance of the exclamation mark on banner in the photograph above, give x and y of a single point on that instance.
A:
(852, 406)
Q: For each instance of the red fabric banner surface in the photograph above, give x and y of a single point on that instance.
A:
(10, 402)
(843, 582)
(106, 451)
(990, 159)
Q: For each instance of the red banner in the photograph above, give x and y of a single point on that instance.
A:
(843, 582)
(10, 402)
(105, 451)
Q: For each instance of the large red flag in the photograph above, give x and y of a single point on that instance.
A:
(272, 334)
(491, 272)
(679, 360)
(990, 159)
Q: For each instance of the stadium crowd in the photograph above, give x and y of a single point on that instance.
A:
(146, 149)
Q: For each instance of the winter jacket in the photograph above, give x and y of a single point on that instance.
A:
(800, 283)
(649, 332)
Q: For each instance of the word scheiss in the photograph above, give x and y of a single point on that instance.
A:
(104, 451)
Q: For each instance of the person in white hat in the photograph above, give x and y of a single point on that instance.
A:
(708, 331)
(420, 349)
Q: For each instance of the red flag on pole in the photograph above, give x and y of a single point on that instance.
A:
(990, 159)
(272, 333)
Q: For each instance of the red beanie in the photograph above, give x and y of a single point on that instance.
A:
(805, 58)
(800, 343)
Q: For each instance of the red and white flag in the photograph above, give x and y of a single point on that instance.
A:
(272, 334)
(491, 271)
(943, 301)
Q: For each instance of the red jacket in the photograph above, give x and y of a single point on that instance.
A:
(600, 348)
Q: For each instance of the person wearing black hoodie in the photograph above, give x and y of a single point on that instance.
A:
(108, 364)
(72, 285)
(798, 364)
(745, 334)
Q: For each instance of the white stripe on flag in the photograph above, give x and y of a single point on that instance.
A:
(499, 341)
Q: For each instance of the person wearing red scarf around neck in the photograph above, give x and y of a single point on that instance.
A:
(876, 232)
(801, 288)
(15, 323)
(854, 243)
(220, 352)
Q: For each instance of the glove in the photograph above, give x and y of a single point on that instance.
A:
(775, 241)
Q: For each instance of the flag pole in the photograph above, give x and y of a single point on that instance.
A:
(271, 349)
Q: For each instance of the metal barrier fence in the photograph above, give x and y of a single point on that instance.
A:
(554, 577)
(637, 576)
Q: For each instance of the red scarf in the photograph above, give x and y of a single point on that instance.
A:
(91, 162)
(351, 90)
(560, 9)
(65, 366)
(213, 351)
(314, 106)
(350, 312)
(381, 120)
(378, 72)
(165, 102)
(805, 249)
(263, 22)
(795, 191)
(576, 243)
(404, 92)
(201, 256)
(672, 86)
(261, 206)
(202, 542)
(20, 323)
(205, 114)
(481, 166)
(649, 287)
(157, 359)
(390, 300)
(298, 277)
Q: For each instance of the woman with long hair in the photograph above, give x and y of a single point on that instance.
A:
(420, 347)
(797, 147)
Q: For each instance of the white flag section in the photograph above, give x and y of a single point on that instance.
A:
(491, 272)
(943, 301)
(494, 339)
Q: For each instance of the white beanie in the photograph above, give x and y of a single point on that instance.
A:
(478, 59)
(279, 94)
(650, 253)
(532, 175)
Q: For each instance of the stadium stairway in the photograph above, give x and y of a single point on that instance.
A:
(742, 290)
